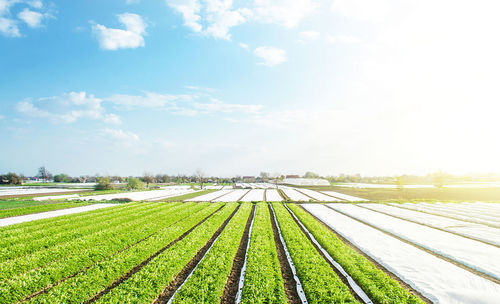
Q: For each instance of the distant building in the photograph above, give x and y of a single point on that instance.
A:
(292, 176)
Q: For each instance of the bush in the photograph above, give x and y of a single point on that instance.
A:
(134, 183)
(103, 183)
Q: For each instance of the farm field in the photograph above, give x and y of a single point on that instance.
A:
(227, 252)
(13, 208)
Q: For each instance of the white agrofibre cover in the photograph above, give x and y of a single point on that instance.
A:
(140, 196)
(232, 196)
(272, 195)
(457, 213)
(474, 254)
(436, 279)
(318, 195)
(254, 195)
(306, 182)
(477, 231)
(294, 195)
(344, 196)
(30, 191)
(49, 214)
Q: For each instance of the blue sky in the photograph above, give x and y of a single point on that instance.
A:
(239, 87)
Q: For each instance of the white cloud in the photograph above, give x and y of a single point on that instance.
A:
(243, 45)
(215, 105)
(271, 56)
(182, 104)
(365, 10)
(38, 4)
(306, 36)
(124, 137)
(149, 100)
(287, 13)
(67, 108)
(131, 37)
(210, 17)
(215, 18)
(345, 39)
(9, 28)
(32, 18)
(1, 116)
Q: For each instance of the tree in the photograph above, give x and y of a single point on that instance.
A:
(60, 178)
(199, 176)
(11, 178)
(148, 178)
(264, 176)
(134, 183)
(310, 174)
(43, 173)
(103, 183)
(439, 178)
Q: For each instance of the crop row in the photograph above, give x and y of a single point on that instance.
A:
(21, 285)
(37, 209)
(81, 248)
(25, 244)
(374, 282)
(263, 281)
(207, 282)
(145, 285)
(320, 283)
(100, 275)
(36, 227)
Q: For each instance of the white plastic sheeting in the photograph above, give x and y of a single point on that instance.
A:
(471, 253)
(43, 215)
(209, 196)
(294, 195)
(272, 195)
(476, 231)
(306, 181)
(456, 213)
(254, 195)
(140, 196)
(55, 197)
(31, 191)
(232, 196)
(345, 196)
(436, 279)
(318, 196)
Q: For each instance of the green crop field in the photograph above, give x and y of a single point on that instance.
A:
(171, 252)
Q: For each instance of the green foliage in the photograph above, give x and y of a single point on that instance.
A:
(374, 282)
(103, 183)
(40, 208)
(134, 184)
(62, 178)
(263, 281)
(207, 282)
(115, 254)
(145, 285)
(11, 178)
(320, 283)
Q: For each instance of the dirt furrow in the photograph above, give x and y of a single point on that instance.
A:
(231, 288)
(181, 277)
(134, 270)
(286, 270)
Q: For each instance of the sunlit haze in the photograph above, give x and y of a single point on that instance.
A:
(239, 87)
